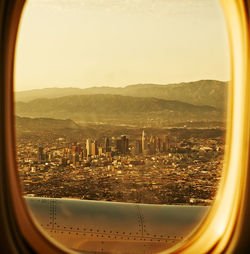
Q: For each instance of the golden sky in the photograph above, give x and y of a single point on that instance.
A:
(85, 43)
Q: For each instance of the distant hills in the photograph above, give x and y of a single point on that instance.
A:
(120, 109)
(31, 124)
(204, 92)
(137, 105)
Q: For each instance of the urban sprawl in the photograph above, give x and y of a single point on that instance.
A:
(163, 169)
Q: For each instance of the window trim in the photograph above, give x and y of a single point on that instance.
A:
(25, 236)
(218, 233)
(222, 229)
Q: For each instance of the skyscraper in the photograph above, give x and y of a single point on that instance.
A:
(157, 144)
(107, 144)
(165, 145)
(75, 159)
(124, 144)
(118, 145)
(143, 142)
(40, 153)
(88, 147)
(94, 150)
(152, 145)
(138, 147)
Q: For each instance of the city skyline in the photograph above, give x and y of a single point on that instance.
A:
(173, 165)
(117, 145)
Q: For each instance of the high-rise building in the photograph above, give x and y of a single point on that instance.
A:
(124, 144)
(84, 151)
(157, 144)
(40, 153)
(100, 151)
(88, 147)
(107, 144)
(165, 144)
(152, 145)
(138, 147)
(76, 147)
(143, 142)
(94, 150)
(118, 145)
(75, 159)
(73, 149)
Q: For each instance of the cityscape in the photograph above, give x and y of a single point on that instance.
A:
(144, 143)
(166, 166)
(120, 114)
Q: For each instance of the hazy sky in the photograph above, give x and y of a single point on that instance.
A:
(84, 43)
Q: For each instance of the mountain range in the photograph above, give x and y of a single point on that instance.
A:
(140, 105)
(117, 109)
(204, 92)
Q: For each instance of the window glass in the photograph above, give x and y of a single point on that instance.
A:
(121, 101)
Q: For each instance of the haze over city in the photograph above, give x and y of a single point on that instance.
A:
(144, 142)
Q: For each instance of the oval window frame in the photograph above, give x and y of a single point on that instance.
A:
(219, 232)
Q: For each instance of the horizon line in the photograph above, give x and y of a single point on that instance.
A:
(110, 86)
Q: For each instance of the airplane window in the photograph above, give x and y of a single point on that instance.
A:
(120, 119)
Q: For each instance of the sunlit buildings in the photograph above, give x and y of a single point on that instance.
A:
(88, 147)
(165, 144)
(143, 142)
(94, 149)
